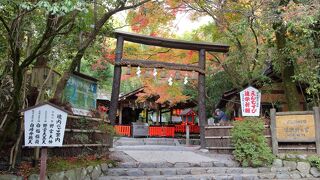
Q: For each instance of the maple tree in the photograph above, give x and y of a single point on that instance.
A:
(156, 85)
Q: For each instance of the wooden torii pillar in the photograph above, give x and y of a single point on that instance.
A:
(168, 43)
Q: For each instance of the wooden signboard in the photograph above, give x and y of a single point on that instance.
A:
(250, 101)
(40, 74)
(44, 126)
(295, 128)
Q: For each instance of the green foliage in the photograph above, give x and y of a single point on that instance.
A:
(250, 144)
(58, 164)
(81, 138)
(314, 161)
(131, 84)
(107, 128)
(216, 85)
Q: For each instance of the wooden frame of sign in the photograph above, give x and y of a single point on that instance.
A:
(296, 126)
(168, 43)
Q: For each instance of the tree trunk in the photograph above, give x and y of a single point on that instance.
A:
(12, 126)
(291, 92)
(287, 64)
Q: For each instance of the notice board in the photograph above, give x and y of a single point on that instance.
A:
(295, 128)
(44, 125)
(81, 93)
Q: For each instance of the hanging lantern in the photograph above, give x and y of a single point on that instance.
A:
(174, 112)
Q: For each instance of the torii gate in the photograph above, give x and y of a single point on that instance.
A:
(168, 43)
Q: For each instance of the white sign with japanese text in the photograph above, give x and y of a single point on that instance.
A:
(44, 126)
(250, 101)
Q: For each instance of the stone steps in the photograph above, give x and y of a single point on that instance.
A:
(191, 171)
(170, 165)
(227, 173)
(190, 177)
(145, 141)
(200, 174)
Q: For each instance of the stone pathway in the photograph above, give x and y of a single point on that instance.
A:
(144, 159)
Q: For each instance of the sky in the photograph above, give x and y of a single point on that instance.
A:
(182, 24)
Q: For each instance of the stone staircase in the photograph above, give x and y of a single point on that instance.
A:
(145, 141)
(167, 159)
(200, 171)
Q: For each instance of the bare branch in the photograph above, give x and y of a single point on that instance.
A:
(5, 25)
(234, 79)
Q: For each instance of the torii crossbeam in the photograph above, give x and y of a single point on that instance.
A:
(168, 43)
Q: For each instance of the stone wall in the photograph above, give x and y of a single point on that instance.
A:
(297, 165)
(87, 173)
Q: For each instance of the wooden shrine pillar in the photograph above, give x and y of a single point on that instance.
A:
(160, 112)
(157, 114)
(116, 81)
(170, 116)
(147, 112)
(202, 97)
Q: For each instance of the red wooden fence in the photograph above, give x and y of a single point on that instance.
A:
(154, 131)
(161, 131)
(123, 130)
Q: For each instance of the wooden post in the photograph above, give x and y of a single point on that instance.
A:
(170, 116)
(273, 131)
(160, 112)
(157, 115)
(187, 135)
(36, 156)
(147, 111)
(116, 81)
(120, 114)
(43, 163)
(202, 97)
(316, 111)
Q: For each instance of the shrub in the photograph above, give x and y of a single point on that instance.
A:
(314, 161)
(107, 128)
(251, 148)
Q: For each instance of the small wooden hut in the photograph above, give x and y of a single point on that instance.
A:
(188, 116)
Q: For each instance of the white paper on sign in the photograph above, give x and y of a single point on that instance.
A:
(44, 126)
(250, 101)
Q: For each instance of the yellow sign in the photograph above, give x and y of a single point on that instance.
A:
(295, 128)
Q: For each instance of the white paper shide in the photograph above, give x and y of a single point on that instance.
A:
(44, 126)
